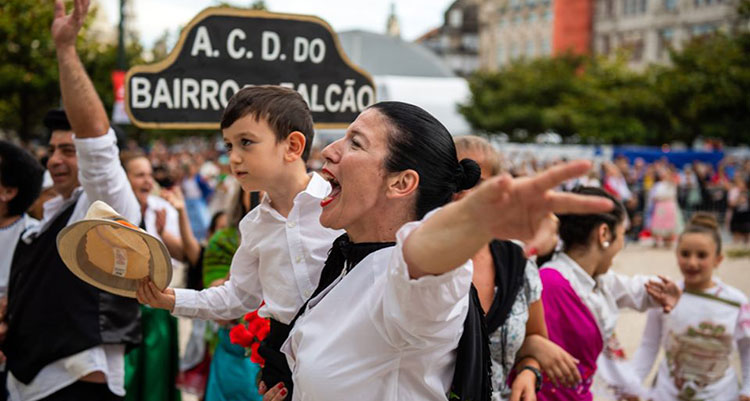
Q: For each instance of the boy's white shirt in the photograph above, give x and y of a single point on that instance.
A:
(279, 261)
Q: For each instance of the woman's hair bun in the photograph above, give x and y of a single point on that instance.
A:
(706, 220)
(468, 176)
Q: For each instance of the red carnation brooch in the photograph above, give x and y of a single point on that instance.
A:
(249, 333)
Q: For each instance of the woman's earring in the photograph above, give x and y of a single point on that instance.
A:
(605, 244)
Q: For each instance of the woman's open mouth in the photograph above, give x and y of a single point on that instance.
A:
(335, 188)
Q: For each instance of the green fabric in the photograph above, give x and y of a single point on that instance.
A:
(151, 369)
(218, 255)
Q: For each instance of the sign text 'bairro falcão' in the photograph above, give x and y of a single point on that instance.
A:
(223, 50)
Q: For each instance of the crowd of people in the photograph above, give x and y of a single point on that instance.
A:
(397, 263)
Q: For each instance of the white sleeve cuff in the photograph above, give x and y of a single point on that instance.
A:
(184, 302)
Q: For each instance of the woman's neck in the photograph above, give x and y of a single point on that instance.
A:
(586, 258)
(381, 223)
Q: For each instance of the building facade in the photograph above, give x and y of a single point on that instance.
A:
(646, 29)
(649, 28)
(514, 29)
(456, 42)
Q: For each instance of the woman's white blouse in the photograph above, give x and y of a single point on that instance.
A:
(376, 334)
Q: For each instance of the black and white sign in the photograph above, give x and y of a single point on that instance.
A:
(223, 50)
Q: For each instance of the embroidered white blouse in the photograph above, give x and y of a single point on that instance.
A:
(279, 261)
(376, 334)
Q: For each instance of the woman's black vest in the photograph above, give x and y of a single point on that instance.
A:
(52, 314)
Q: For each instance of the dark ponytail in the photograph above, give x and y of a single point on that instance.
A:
(575, 229)
(418, 141)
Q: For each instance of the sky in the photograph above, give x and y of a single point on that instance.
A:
(153, 17)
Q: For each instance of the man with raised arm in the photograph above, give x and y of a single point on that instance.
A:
(66, 339)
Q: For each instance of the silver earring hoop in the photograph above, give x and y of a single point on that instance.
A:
(605, 244)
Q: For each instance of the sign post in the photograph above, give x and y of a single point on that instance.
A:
(223, 50)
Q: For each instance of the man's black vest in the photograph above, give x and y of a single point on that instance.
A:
(53, 314)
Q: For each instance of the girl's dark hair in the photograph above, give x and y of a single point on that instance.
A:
(215, 220)
(704, 223)
(418, 141)
(575, 229)
(20, 170)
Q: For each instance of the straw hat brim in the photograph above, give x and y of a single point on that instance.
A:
(71, 247)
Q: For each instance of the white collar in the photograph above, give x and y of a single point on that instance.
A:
(317, 189)
(595, 295)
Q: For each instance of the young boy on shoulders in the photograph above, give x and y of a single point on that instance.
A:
(268, 132)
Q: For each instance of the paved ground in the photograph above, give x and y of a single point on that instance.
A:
(634, 259)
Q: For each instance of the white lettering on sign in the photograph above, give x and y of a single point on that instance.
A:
(236, 52)
(202, 43)
(210, 94)
(162, 94)
(270, 46)
(141, 92)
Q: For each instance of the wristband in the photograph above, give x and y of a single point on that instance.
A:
(538, 375)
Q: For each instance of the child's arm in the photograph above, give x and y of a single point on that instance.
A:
(743, 346)
(642, 292)
(238, 295)
(644, 358)
(744, 349)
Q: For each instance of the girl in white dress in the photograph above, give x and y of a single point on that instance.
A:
(711, 321)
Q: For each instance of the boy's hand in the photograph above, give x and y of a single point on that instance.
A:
(666, 292)
(148, 294)
(65, 28)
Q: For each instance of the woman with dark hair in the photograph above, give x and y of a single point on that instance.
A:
(507, 282)
(581, 297)
(389, 326)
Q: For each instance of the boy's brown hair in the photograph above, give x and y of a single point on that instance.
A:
(283, 108)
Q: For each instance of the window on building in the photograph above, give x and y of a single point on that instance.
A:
(546, 47)
(636, 50)
(470, 42)
(517, 20)
(500, 56)
(531, 18)
(515, 51)
(515, 4)
(456, 18)
(642, 6)
(610, 7)
(666, 35)
(529, 48)
(702, 29)
(670, 5)
(531, 3)
(605, 44)
(548, 15)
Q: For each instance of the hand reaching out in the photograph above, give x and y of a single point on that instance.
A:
(666, 292)
(149, 294)
(508, 208)
(65, 27)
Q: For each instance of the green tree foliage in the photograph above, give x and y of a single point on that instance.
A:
(28, 67)
(29, 80)
(703, 93)
(706, 89)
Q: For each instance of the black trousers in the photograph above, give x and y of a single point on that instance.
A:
(84, 391)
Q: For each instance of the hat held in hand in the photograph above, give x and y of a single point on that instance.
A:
(108, 252)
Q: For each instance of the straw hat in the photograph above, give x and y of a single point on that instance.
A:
(108, 252)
